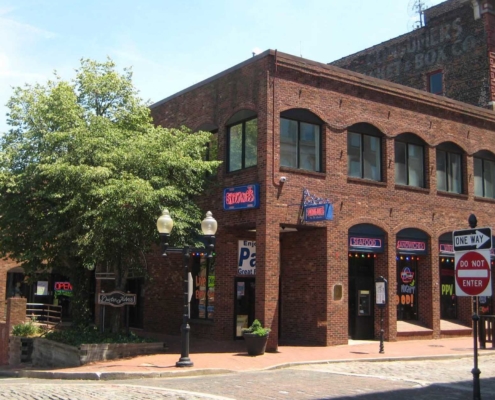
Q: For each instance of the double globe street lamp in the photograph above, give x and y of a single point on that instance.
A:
(209, 225)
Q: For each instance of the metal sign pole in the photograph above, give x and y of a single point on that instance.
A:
(476, 371)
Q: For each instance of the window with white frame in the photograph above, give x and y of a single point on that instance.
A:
(409, 161)
(449, 169)
(364, 155)
(300, 140)
(484, 174)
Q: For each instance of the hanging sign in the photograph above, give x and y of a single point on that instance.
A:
(241, 197)
(246, 259)
(315, 208)
(116, 299)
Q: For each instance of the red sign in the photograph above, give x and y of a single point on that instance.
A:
(472, 273)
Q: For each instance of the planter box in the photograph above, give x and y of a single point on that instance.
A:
(49, 354)
(255, 344)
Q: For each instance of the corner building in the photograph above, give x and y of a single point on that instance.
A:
(330, 179)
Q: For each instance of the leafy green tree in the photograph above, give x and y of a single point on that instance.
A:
(84, 174)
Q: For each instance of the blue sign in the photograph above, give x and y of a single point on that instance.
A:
(318, 212)
(241, 197)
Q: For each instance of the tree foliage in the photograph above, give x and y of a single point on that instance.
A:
(84, 174)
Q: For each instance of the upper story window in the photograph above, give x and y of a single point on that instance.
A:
(449, 168)
(409, 161)
(435, 82)
(300, 140)
(484, 174)
(242, 140)
(364, 154)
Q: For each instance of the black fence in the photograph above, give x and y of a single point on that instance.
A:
(44, 313)
(486, 331)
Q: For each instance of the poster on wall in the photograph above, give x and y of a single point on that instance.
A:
(246, 258)
(42, 288)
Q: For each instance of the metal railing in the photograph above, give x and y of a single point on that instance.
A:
(45, 313)
(486, 330)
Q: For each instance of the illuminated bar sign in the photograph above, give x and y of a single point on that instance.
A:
(446, 248)
(241, 197)
(370, 244)
(63, 289)
(318, 212)
(411, 247)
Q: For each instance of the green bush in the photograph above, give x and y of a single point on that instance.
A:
(257, 329)
(76, 336)
(26, 329)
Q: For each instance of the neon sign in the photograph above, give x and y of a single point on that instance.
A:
(241, 197)
(411, 246)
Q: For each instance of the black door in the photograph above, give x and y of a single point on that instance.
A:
(361, 296)
(244, 304)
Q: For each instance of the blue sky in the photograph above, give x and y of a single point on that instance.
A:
(173, 44)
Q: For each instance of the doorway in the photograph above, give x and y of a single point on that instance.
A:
(361, 295)
(245, 295)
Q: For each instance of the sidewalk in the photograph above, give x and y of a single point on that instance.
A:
(210, 357)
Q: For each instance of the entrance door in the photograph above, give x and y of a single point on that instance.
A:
(361, 296)
(244, 304)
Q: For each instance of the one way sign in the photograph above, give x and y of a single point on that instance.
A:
(472, 239)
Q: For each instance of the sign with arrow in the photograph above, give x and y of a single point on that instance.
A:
(472, 239)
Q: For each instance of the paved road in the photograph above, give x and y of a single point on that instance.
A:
(418, 380)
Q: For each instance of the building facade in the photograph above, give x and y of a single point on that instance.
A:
(451, 55)
(330, 180)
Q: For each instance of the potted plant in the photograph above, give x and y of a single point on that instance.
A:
(256, 337)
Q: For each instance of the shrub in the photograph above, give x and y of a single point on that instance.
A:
(257, 329)
(76, 336)
(26, 329)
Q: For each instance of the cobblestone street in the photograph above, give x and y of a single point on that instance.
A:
(392, 380)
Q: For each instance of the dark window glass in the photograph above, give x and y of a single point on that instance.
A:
(300, 145)
(435, 83)
(409, 164)
(243, 142)
(364, 156)
(203, 298)
(449, 171)
(484, 178)
(407, 288)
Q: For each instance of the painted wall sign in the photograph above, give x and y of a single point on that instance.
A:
(246, 259)
(241, 197)
(116, 299)
(318, 212)
(411, 246)
(366, 243)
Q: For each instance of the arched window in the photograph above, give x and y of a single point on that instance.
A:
(409, 160)
(449, 168)
(300, 140)
(484, 174)
(242, 140)
(364, 152)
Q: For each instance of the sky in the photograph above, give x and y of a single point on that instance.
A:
(174, 44)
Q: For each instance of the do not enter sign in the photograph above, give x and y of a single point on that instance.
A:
(472, 273)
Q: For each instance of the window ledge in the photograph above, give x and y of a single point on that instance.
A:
(455, 195)
(303, 171)
(484, 199)
(201, 322)
(412, 188)
(366, 181)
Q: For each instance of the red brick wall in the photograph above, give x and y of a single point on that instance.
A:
(275, 82)
(4, 344)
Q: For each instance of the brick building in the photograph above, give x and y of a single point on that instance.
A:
(332, 179)
(452, 54)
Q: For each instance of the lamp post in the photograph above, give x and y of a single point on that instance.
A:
(209, 226)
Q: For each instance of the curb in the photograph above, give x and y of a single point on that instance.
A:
(105, 376)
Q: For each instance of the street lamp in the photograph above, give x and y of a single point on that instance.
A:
(209, 226)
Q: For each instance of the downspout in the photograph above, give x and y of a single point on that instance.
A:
(274, 182)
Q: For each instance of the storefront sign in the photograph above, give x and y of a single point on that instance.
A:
(318, 212)
(116, 299)
(241, 197)
(447, 249)
(246, 260)
(365, 244)
(409, 246)
(62, 289)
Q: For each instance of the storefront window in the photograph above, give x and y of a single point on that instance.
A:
(448, 299)
(203, 298)
(407, 289)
